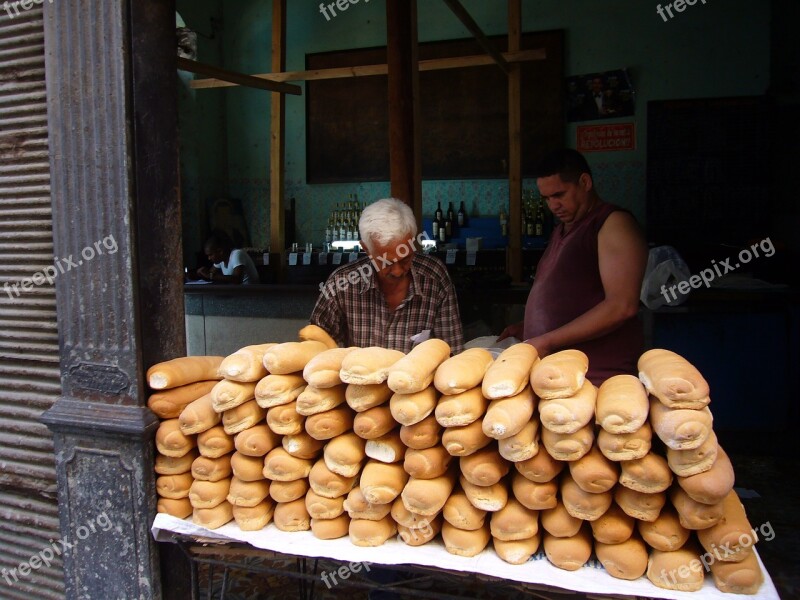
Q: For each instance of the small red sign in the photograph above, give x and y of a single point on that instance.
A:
(607, 138)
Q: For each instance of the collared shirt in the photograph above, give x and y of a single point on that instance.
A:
(352, 309)
(240, 258)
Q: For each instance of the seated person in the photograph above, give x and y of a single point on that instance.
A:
(230, 265)
(394, 297)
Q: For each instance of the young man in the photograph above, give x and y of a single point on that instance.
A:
(396, 296)
(586, 291)
(230, 265)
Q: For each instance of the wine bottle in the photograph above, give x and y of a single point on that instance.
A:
(435, 229)
(439, 213)
(451, 215)
(461, 215)
(442, 232)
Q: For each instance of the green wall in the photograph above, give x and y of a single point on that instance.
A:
(716, 49)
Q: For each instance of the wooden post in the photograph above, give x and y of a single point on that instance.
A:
(404, 157)
(277, 146)
(514, 258)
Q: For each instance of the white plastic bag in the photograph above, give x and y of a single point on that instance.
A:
(665, 268)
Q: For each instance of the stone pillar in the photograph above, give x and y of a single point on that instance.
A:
(111, 93)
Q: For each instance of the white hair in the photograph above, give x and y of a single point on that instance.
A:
(387, 220)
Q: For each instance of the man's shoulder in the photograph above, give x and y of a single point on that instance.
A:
(431, 269)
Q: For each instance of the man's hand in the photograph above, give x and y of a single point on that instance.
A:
(514, 330)
(206, 273)
(542, 346)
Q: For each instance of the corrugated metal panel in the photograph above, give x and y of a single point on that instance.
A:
(29, 355)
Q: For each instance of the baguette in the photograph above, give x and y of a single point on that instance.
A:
(344, 454)
(665, 533)
(256, 441)
(559, 375)
(626, 560)
(247, 468)
(288, 491)
(230, 394)
(581, 504)
(179, 508)
(171, 441)
(622, 405)
(420, 535)
(254, 518)
(414, 372)
(673, 380)
(569, 553)
(183, 371)
(484, 467)
(322, 507)
(509, 374)
(371, 533)
(676, 570)
(645, 507)
(174, 487)
(285, 420)
(208, 494)
(169, 465)
(615, 526)
(743, 577)
(692, 514)
(213, 518)
(461, 409)
(507, 416)
(465, 543)
(680, 428)
(712, 486)
(374, 423)
(488, 498)
(407, 518)
(559, 523)
(462, 372)
(365, 366)
(247, 493)
(466, 440)
(242, 417)
(388, 448)
(381, 482)
(568, 415)
(279, 465)
(540, 468)
(514, 522)
(169, 403)
(214, 442)
(625, 446)
(522, 445)
(649, 474)
(594, 473)
(427, 496)
(517, 552)
(358, 507)
(315, 333)
(246, 364)
(315, 400)
(408, 409)
(532, 495)
(364, 397)
(322, 371)
(422, 435)
(291, 357)
(292, 516)
(693, 462)
(330, 529)
(199, 416)
(460, 512)
(732, 538)
(211, 469)
(327, 425)
(568, 446)
(274, 390)
(302, 445)
(428, 463)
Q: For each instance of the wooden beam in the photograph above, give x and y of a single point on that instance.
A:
(404, 157)
(485, 43)
(277, 127)
(436, 64)
(234, 78)
(514, 262)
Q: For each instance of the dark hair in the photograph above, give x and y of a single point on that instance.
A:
(219, 240)
(567, 163)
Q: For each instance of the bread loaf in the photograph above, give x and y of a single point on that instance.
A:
(247, 468)
(254, 518)
(569, 553)
(214, 442)
(507, 416)
(373, 423)
(381, 482)
(327, 425)
(461, 409)
(344, 454)
(645, 507)
(230, 394)
(358, 507)
(489, 498)
(462, 372)
(364, 397)
(626, 560)
(522, 445)
(568, 446)
(421, 535)
(676, 570)
(581, 504)
(211, 469)
(322, 507)
(371, 533)
(615, 526)
(686, 463)
(532, 495)
(275, 390)
(292, 516)
(559, 375)
(199, 416)
(407, 518)
(183, 371)
(568, 415)
(680, 429)
(171, 441)
(540, 468)
(461, 513)
(649, 474)
(427, 496)
(625, 446)
(315, 400)
(213, 518)
(414, 372)
(279, 465)
(288, 491)
(246, 364)
(484, 467)
(593, 472)
(322, 371)
(330, 529)
(285, 420)
(256, 441)
(291, 357)
(178, 508)
(174, 487)
(315, 333)
(559, 523)
(510, 373)
(408, 409)
(665, 533)
(170, 465)
(673, 380)
(208, 494)
(694, 515)
(514, 522)
(428, 463)
(388, 448)
(169, 403)
(466, 440)
(302, 445)
(743, 577)
(465, 543)
(622, 404)
(247, 493)
(422, 435)
(732, 538)
(365, 366)
(242, 417)
(517, 552)
(712, 486)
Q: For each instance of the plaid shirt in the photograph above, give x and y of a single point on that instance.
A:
(353, 311)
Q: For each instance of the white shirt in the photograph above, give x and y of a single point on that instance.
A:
(240, 258)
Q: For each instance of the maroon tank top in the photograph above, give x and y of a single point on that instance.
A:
(567, 284)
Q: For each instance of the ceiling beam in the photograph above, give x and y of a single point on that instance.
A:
(234, 78)
(466, 19)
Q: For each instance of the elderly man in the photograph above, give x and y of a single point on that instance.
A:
(586, 291)
(396, 296)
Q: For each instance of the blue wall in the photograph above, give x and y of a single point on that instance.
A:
(716, 49)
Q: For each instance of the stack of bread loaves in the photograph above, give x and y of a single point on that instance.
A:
(370, 443)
